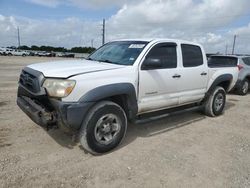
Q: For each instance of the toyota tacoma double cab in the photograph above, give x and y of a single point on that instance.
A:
(120, 82)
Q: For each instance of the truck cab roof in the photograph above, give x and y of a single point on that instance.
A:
(154, 40)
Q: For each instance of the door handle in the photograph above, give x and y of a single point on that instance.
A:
(176, 76)
(203, 74)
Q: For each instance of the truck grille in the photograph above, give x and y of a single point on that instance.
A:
(29, 81)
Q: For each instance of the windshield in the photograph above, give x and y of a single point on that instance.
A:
(220, 61)
(120, 52)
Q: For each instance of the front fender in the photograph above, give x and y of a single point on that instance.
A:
(106, 91)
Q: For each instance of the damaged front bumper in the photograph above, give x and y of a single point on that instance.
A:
(36, 112)
(49, 112)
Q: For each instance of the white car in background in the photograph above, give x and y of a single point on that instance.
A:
(2, 51)
(19, 53)
(7, 51)
(10, 52)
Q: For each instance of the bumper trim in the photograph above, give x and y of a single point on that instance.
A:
(36, 113)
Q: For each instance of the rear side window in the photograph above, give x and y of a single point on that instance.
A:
(222, 61)
(192, 55)
(246, 60)
(167, 54)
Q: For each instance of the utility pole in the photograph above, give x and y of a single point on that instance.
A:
(234, 44)
(92, 43)
(18, 37)
(226, 49)
(103, 32)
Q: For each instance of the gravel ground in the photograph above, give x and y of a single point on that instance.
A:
(189, 150)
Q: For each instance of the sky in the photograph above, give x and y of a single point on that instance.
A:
(69, 23)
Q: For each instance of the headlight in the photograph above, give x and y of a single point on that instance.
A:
(58, 87)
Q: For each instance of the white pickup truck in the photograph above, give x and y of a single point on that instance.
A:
(120, 82)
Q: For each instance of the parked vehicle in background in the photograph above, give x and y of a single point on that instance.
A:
(8, 51)
(2, 51)
(123, 80)
(14, 52)
(32, 53)
(46, 54)
(65, 54)
(243, 62)
(19, 53)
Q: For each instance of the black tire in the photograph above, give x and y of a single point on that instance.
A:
(215, 103)
(244, 87)
(93, 130)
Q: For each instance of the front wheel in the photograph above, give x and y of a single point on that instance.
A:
(215, 103)
(103, 128)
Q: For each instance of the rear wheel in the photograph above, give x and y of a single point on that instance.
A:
(103, 128)
(244, 87)
(215, 103)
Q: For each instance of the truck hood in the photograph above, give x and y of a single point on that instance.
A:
(68, 68)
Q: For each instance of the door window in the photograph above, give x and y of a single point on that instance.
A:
(192, 55)
(166, 53)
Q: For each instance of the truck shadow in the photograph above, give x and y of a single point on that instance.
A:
(149, 129)
(234, 92)
(63, 139)
(165, 125)
(161, 126)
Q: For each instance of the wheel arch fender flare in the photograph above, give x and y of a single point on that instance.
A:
(110, 90)
(220, 79)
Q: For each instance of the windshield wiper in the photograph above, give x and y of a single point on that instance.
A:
(89, 58)
(107, 61)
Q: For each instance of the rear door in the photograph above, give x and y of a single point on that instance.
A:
(194, 74)
(158, 87)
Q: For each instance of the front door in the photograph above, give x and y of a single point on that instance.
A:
(158, 86)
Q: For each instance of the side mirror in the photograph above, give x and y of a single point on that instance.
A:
(151, 63)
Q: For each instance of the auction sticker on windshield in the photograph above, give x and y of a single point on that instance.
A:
(136, 46)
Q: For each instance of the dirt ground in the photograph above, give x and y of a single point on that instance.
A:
(188, 150)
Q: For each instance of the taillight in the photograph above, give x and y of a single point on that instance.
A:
(240, 67)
